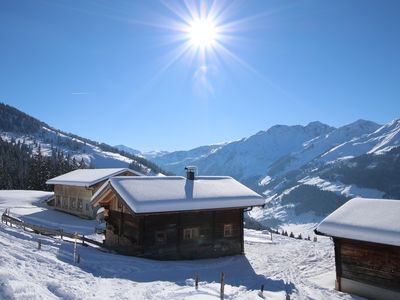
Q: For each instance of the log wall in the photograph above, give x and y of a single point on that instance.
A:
(369, 263)
(165, 236)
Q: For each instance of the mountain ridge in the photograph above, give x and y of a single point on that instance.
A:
(17, 126)
(304, 172)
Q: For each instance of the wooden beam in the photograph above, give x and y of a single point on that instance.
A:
(142, 232)
(241, 231)
(213, 229)
(190, 211)
(179, 233)
(338, 263)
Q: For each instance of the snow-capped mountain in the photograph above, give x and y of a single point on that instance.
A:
(322, 144)
(247, 159)
(272, 152)
(381, 140)
(305, 172)
(178, 160)
(19, 127)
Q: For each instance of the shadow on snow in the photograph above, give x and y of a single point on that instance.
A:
(237, 269)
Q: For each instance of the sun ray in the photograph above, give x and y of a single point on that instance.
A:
(206, 36)
(253, 71)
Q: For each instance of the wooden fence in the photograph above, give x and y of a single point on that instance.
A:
(9, 220)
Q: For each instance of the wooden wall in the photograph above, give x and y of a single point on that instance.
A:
(139, 235)
(67, 193)
(369, 263)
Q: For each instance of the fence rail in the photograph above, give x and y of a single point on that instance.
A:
(6, 218)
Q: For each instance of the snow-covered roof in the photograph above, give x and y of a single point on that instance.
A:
(88, 177)
(363, 219)
(149, 194)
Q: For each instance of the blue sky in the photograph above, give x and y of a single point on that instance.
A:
(105, 69)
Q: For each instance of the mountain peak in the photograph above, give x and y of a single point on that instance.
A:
(318, 128)
(317, 124)
(364, 125)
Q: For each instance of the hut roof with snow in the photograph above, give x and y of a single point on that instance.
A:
(88, 177)
(370, 220)
(151, 194)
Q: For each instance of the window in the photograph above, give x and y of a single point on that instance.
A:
(58, 201)
(228, 230)
(87, 207)
(190, 233)
(161, 237)
(80, 204)
(73, 202)
(65, 201)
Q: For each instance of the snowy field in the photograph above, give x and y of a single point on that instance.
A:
(302, 268)
(30, 206)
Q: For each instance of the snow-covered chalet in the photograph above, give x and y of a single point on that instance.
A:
(174, 217)
(74, 190)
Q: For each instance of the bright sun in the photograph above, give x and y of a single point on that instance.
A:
(202, 33)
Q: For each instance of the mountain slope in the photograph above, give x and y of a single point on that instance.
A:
(247, 159)
(127, 149)
(19, 127)
(320, 145)
(383, 139)
(305, 172)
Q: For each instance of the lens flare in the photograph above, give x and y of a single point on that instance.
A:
(202, 33)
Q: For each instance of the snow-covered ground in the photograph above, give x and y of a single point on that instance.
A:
(30, 207)
(302, 268)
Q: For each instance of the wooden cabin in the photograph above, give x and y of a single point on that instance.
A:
(74, 190)
(173, 217)
(366, 236)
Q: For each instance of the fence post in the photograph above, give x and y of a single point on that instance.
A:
(83, 240)
(75, 247)
(222, 285)
(196, 283)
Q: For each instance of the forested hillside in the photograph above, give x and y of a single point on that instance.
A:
(29, 135)
(20, 168)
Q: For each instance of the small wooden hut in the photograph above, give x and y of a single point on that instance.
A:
(74, 190)
(173, 217)
(366, 236)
